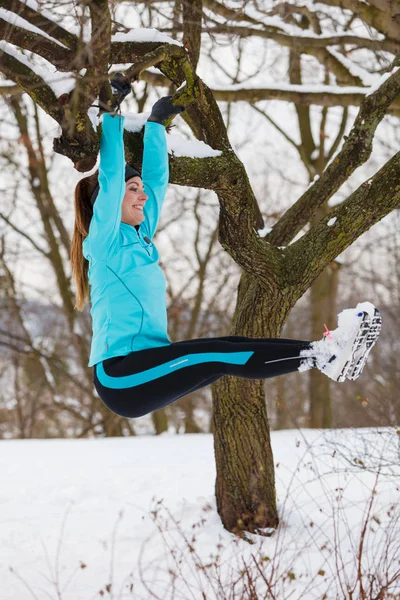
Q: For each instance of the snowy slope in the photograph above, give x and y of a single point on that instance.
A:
(76, 516)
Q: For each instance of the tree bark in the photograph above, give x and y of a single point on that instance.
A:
(276, 272)
(160, 421)
(245, 483)
(190, 422)
(323, 301)
(281, 406)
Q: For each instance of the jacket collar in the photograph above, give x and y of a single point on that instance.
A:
(126, 227)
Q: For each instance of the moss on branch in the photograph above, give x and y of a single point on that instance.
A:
(368, 204)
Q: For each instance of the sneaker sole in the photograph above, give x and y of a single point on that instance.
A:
(346, 354)
(363, 346)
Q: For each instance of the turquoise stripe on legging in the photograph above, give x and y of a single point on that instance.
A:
(117, 383)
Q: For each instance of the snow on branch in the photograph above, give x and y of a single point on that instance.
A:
(302, 40)
(306, 95)
(55, 53)
(59, 83)
(43, 20)
(144, 35)
(17, 21)
(17, 68)
(384, 77)
(177, 145)
(364, 77)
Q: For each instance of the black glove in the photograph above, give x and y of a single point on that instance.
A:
(163, 109)
(120, 87)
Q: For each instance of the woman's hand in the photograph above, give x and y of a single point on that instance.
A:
(120, 87)
(163, 109)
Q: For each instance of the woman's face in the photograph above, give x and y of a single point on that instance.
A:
(133, 202)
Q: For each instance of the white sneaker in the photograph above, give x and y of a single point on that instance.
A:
(363, 346)
(343, 353)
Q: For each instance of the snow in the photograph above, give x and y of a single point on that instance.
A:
(176, 144)
(380, 81)
(337, 343)
(354, 69)
(264, 231)
(314, 180)
(318, 88)
(179, 146)
(38, 8)
(293, 30)
(134, 35)
(144, 35)
(181, 86)
(332, 221)
(92, 114)
(60, 83)
(78, 515)
(14, 19)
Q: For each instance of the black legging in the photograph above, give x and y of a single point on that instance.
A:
(146, 380)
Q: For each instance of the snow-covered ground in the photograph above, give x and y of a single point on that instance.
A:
(86, 519)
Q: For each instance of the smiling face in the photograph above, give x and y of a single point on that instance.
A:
(133, 202)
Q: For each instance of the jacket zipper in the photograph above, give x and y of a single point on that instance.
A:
(145, 247)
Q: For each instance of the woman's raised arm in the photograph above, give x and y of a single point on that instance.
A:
(155, 168)
(155, 173)
(107, 210)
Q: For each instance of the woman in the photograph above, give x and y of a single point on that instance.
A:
(136, 367)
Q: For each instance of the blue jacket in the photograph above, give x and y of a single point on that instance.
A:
(127, 285)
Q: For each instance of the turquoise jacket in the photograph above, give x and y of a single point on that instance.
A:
(127, 285)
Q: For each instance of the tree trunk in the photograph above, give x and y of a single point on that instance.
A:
(112, 423)
(188, 408)
(160, 420)
(281, 407)
(245, 483)
(319, 384)
(323, 310)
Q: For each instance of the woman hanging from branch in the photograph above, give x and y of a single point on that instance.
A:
(137, 369)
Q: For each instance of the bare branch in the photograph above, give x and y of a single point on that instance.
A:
(44, 182)
(150, 59)
(192, 12)
(96, 74)
(386, 21)
(31, 83)
(23, 234)
(356, 150)
(323, 96)
(367, 205)
(281, 131)
(10, 90)
(302, 43)
(54, 53)
(295, 94)
(228, 13)
(50, 27)
(340, 134)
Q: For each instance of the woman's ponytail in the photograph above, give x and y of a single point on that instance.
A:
(83, 216)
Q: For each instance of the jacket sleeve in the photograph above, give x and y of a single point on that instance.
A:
(155, 173)
(107, 210)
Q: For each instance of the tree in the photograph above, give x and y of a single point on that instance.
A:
(276, 271)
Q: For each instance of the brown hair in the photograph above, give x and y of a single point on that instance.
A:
(83, 216)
